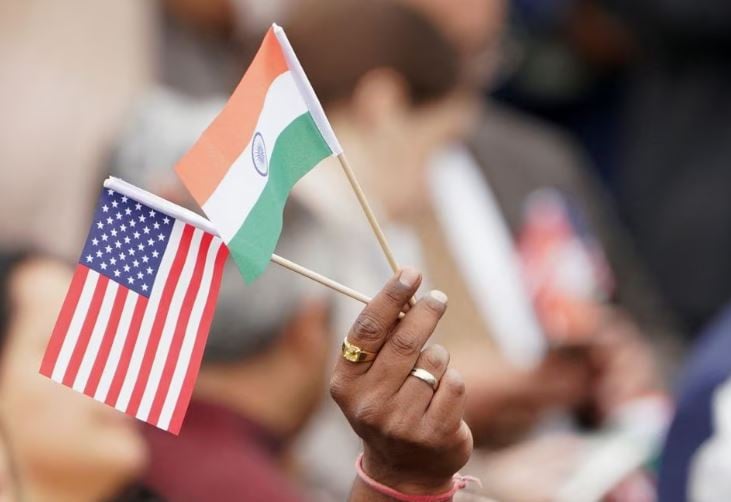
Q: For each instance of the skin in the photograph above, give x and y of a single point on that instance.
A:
(66, 446)
(414, 437)
(293, 370)
(389, 140)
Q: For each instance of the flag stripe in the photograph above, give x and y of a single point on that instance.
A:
(173, 356)
(150, 345)
(130, 341)
(142, 337)
(64, 321)
(232, 200)
(297, 150)
(232, 130)
(77, 320)
(86, 329)
(181, 406)
(191, 332)
(105, 346)
(147, 392)
(92, 349)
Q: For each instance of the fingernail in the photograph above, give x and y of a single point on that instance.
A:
(409, 277)
(439, 296)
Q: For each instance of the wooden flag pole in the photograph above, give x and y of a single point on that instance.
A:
(370, 215)
(325, 281)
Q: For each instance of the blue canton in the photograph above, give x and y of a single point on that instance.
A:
(127, 241)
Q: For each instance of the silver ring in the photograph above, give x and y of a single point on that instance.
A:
(425, 377)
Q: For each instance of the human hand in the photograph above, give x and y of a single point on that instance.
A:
(414, 437)
(624, 364)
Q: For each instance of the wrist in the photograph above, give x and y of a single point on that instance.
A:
(402, 481)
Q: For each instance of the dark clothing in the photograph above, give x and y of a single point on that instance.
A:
(708, 367)
(675, 179)
(219, 456)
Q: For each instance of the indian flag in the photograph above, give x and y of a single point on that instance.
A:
(271, 132)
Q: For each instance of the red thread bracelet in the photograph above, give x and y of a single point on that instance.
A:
(458, 483)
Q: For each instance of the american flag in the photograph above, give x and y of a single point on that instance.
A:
(135, 320)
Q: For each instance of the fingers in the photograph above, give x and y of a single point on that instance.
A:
(373, 325)
(418, 393)
(447, 406)
(403, 347)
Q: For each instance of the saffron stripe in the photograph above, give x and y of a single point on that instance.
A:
(160, 317)
(204, 166)
(180, 328)
(195, 360)
(83, 340)
(106, 344)
(64, 320)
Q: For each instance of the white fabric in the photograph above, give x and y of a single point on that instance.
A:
(308, 93)
(708, 479)
(240, 189)
(481, 244)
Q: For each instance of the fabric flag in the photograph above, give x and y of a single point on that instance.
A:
(135, 320)
(271, 132)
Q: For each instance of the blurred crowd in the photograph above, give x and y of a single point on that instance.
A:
(561, 169)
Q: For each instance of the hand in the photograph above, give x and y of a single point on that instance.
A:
(624, 364)
(414, 437)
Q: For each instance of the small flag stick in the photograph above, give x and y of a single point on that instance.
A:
(370, 215)
(325, 281)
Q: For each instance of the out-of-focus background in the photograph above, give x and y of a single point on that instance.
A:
(560, 168)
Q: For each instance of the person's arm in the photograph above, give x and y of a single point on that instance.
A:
(414, 437)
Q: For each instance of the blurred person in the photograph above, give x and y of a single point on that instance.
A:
(63, 446)
(263, 374)
(70, 73)
(694, 463)
(515, 158)
(388, 85)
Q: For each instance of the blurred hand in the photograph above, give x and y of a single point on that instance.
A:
(624, 364)
(505, 402)
(414, 437)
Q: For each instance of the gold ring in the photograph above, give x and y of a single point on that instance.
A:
(425, 377)
(355, 354)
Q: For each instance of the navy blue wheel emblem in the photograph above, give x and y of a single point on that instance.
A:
(259, 155)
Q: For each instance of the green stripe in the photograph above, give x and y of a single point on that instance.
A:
(299, 148)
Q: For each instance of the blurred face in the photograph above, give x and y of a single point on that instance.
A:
(474, 27)
(58, 437)
(402, 142)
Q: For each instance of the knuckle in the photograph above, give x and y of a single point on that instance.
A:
(337, 389)
(396, 294)
(367, 414)
(367, 327)
(405, 343)
(435, 357)
(454, 383)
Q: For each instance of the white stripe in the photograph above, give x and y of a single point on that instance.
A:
(191, 334)
(308, 93)
(77, 321)
(130, 303)
(168, 329)
(149, 318)
(237, 193)
(97, 334)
